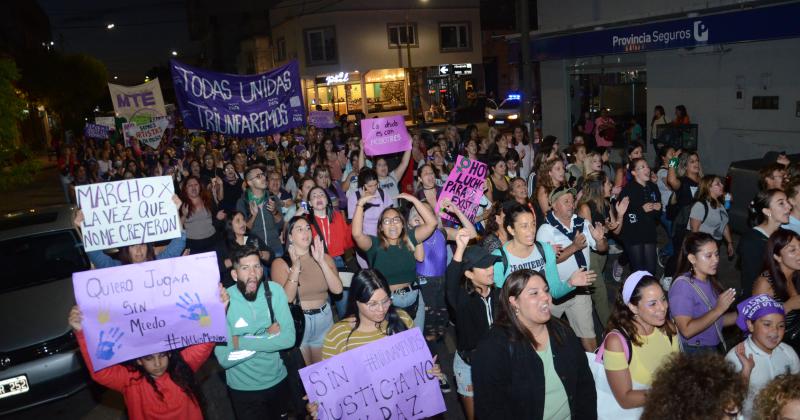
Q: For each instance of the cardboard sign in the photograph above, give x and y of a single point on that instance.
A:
(95, 131)
(129, 212)
(237, 105)
(464, 188)
(321, 119)
(385, 135)
(106, 121)
(149, 134)
(139, 103)
(134, 310)
(384, 379)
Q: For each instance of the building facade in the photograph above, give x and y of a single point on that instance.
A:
(732, 64)
(382, 57)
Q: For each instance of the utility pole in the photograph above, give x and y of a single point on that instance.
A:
(523, 25)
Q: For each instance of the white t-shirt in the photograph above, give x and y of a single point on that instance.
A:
(390, 187)
(549, 234)
(767, 366)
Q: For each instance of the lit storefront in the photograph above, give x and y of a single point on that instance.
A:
(339, 92)
(386, 91)
(382, 91)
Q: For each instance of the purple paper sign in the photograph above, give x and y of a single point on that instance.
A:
(321, 119)
(384, 379)
(385, 135)
(464, 188)
(133, 310)
(95, 131)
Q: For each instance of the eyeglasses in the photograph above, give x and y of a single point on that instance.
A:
(392, 220)
(257, 176)
(377, 306)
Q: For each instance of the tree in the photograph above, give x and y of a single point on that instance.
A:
(11, 105)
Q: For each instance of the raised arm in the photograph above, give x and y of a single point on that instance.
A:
(447, 205)
(429, 219)
(363, 242)
(401, 168)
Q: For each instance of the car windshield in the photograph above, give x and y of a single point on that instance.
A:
(510, 104)
(32, 260)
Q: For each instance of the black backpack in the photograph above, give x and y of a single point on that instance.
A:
(682, 218)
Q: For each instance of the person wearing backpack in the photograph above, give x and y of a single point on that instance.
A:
(640, 337)
(708, 214)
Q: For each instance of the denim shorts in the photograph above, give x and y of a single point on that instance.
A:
(317, 326)
(463, 373)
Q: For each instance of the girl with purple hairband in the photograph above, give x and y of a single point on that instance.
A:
(761, 356)
(640, 338)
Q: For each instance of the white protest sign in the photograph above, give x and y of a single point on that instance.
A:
(129, 212)
(106, 121)
(138, 103)
(149, 134)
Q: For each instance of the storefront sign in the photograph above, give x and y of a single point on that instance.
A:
(755, 24)
(321, 119)
(462, 69)
(386, 379)
(134, 310)
(129, 212)
(138, 103)
(340, 77)
(236, 105)
(464, 188)
(385, 135)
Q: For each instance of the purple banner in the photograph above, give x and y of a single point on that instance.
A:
(464, 188)
(95, 131)
(384, 379)
(321, 119)
(385, 135)
(252, 106)
(134, 310)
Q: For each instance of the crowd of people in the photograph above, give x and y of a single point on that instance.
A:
(546, 323)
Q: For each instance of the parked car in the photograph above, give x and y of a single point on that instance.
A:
(507, 112)
(39, 356)
(742, 183)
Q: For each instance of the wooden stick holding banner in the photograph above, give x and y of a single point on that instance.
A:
(135, 310)
(129, 212)
(388, 378)
(464, 188)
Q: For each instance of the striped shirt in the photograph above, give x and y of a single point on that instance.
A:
(337, 342)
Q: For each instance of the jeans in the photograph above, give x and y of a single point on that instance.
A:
(436, 318)
(669, 249)
(405, 300)
(270, 403)
(317, 326)
(341, 301)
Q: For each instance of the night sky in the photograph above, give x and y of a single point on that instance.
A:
(145, 33)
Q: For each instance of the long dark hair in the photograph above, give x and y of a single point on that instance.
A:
(362, 287)
(230, 235)
(622, 318)
(205, 196)
(691, 245)
(506, 315)
(180, 373)
(777, 241)
(762, 201)
(288, 232)
(593, 193)
(124, 254)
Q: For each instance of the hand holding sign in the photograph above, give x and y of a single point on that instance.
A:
(382, 136)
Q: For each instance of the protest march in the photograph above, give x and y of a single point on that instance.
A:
(335, 267)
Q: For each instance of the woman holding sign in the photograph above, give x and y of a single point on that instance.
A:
(157, 386)
(531, 366)
(392, 251)
(134, 254)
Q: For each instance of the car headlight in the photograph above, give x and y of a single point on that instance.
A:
(491, 117)
(513, 117)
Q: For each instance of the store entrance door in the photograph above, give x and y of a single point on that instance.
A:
(620, 89)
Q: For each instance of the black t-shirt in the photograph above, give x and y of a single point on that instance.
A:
(639, 227)
(685, 194)
(231, 194)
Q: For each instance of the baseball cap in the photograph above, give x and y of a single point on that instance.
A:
(477, 257)
(558, 192)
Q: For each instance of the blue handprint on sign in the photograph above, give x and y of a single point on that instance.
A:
(196, 310)
(107, 345)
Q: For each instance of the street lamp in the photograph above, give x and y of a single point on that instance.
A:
(115, 77)
(110, 26)
(174, 53)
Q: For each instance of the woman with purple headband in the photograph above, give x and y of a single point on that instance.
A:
(640, 337)
(761, 356)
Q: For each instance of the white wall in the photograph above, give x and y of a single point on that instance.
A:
(705, 84)
(555, 100)
(362, 38)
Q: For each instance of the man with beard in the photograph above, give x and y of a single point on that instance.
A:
(254, 371)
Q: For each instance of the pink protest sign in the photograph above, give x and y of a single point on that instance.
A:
(134, 310)
(464, 188)
(385, 135)
(385, 379)
(321, 119)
